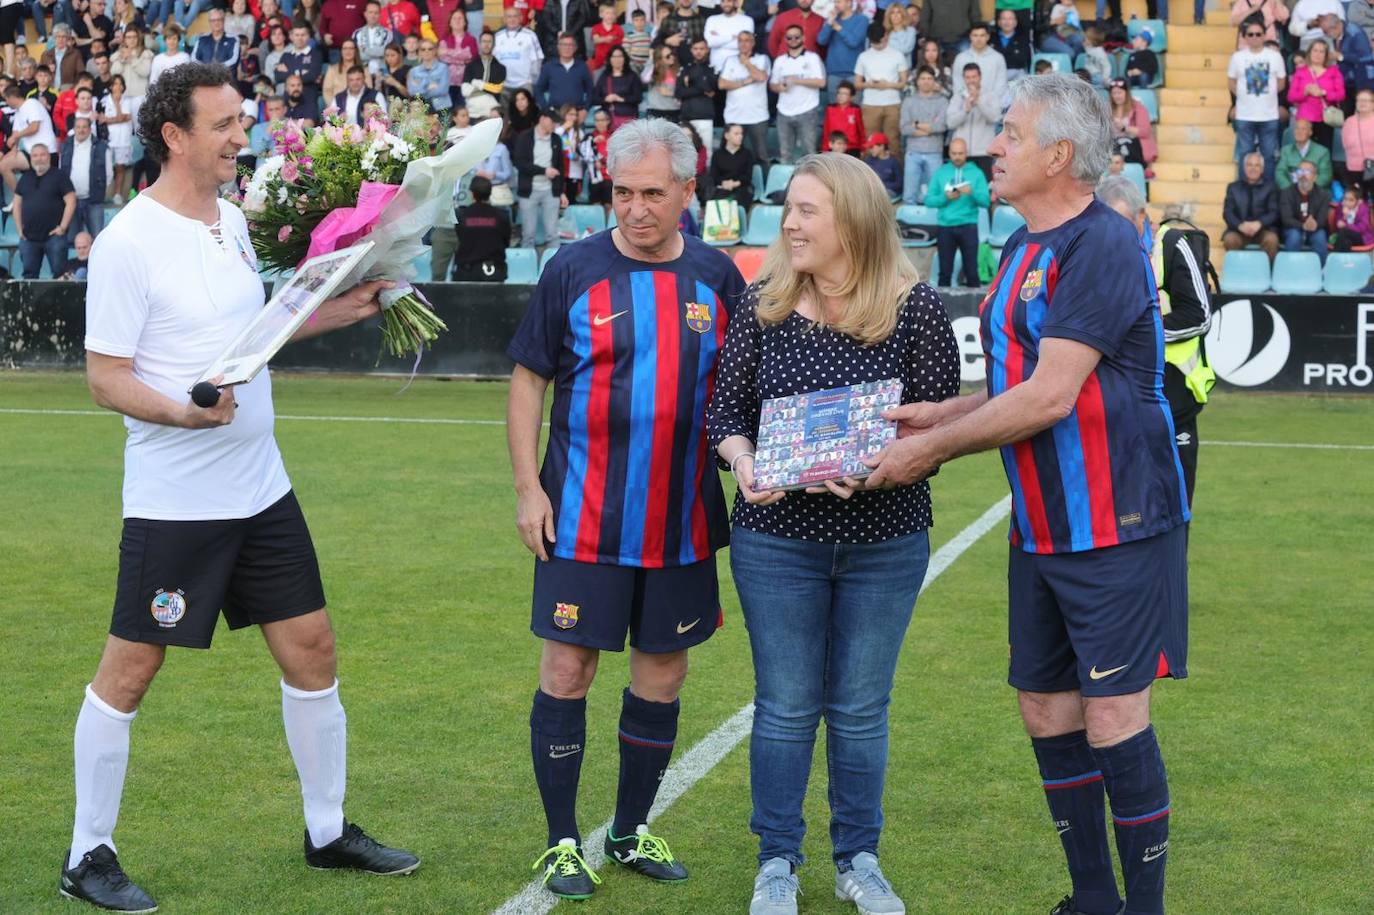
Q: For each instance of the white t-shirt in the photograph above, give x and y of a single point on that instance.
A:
(121, 135)
(165, 293)
(747, 104)
(521, 55)
(798, 99)
(1257, 83)
(164, 62)
(722, 33)
(885, 65)
(34, 112)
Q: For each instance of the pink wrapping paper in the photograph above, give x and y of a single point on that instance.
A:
(347, 225)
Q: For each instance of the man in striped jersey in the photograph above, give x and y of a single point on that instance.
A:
(1097, 579)
(626, 513)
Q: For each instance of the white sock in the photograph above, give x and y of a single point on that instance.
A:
(102, 755)
(317, 733)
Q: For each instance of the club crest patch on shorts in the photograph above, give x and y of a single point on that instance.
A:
(698, 317)
(565, 615)
(168, 607)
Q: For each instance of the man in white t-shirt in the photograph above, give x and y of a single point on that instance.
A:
(880, 74)
(30, 126)
(797, 78)
(1305, 22)
(1256, 76)
(519, 51)
(744, 79)
(210, 520)
(722, 29)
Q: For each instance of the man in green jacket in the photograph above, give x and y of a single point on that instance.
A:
(1303, 149)
(958, 190)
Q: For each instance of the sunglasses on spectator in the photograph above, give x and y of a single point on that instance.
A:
(794, 38)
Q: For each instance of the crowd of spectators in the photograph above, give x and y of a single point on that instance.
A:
(917, 91)
(1303, 81)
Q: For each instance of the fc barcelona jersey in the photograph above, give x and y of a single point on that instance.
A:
(1109, 472)
(631, 348)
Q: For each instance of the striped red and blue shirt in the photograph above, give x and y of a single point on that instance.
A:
(1109, 472)
(631, 348)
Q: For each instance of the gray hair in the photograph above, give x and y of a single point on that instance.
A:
(636, 139)
(1113, 189)
(62, 29)
(1067, 108)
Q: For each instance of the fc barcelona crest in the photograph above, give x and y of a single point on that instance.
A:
(698, 317)
(565, 615)
(1030, 286)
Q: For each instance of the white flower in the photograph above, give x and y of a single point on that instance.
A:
(255, 195)
(282, 194)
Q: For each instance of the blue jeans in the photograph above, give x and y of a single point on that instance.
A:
(920, 168)
(964, 239)
(826, 623)
(38, 11)
(1056, 44)
(1261, 135)
(89, 217)
(31, 254)
(186, 11)
(1294, 239)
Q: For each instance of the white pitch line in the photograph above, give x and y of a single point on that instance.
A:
(694, 765)
(443, 421)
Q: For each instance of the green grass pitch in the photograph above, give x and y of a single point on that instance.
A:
(1268, 743)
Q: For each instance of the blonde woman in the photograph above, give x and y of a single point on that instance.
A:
(827, 577)
(901, 34)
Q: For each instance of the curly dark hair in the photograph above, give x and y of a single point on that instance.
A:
(169, 102)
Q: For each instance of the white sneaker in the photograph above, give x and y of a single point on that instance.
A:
(865, 886)
(775, 889)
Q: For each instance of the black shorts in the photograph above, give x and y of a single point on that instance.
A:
(11, 21)
(593, 605)
(176, 576)
(1106, 622)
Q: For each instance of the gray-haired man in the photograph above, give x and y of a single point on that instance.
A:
(627, 512)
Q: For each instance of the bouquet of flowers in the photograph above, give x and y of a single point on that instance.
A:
(331, 186)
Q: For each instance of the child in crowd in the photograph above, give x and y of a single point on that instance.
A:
(1142, 66)
(1116, 165)
(1043, 66)
(1066, 30)
(411, 43)
(372, 38)
(1352, 222)
(839, 143)
(569, 130)
(881, 160)
(593, 151)
(1096, 61)
(637, 40)
(845, 118)
(606, 34)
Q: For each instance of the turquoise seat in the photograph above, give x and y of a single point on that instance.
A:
(1346, 272)
(1062, 63)
(611, 220)
(1136, 172)
(9, 235)
(1297, 273)
(544, 260)
(522, 266)
(984, 225)
(757, 180)
(778, 176)
(1159, 34)
(765, 224)
(1148, 98)
(1245, 271)
(587, 218)
(1005, 221)
(914, 214)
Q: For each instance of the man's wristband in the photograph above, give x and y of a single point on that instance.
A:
(734, 460)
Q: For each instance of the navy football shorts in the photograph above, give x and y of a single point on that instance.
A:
(1106, 622)
(176, 576)
(594, 605)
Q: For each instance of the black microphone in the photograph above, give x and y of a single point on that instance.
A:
(205, 394)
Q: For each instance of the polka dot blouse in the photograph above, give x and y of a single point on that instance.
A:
(796, 356)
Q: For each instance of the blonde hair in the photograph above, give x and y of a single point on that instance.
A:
(880, 275)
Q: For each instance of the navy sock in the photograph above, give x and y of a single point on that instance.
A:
(1139, 790)
(647, 732)
(1073, 787)
(558, 731)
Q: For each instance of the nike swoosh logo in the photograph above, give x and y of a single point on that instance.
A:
(1099, 674)
(681, 628)
(598, 320)
(1065, 829)
(1158, 854)
(553, 755)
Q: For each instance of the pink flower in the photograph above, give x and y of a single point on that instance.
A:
(290, 172)
(283, 233)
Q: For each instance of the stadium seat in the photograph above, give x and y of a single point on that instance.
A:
(1005, 221)
(743, 227)
(544, 260)
(611, 221)
(913, 214)
(1158, 33)
(1062, 63)
(1136, 172)
(778, 176)
(1148, 98)
(9, 235)
(522, 266)
(1297, 273)
(422, 265)
(749, 261)
(587, 217)
(758, 183)
(1346, 272)
(764, 224)
(1245, 271)
(984, 225)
